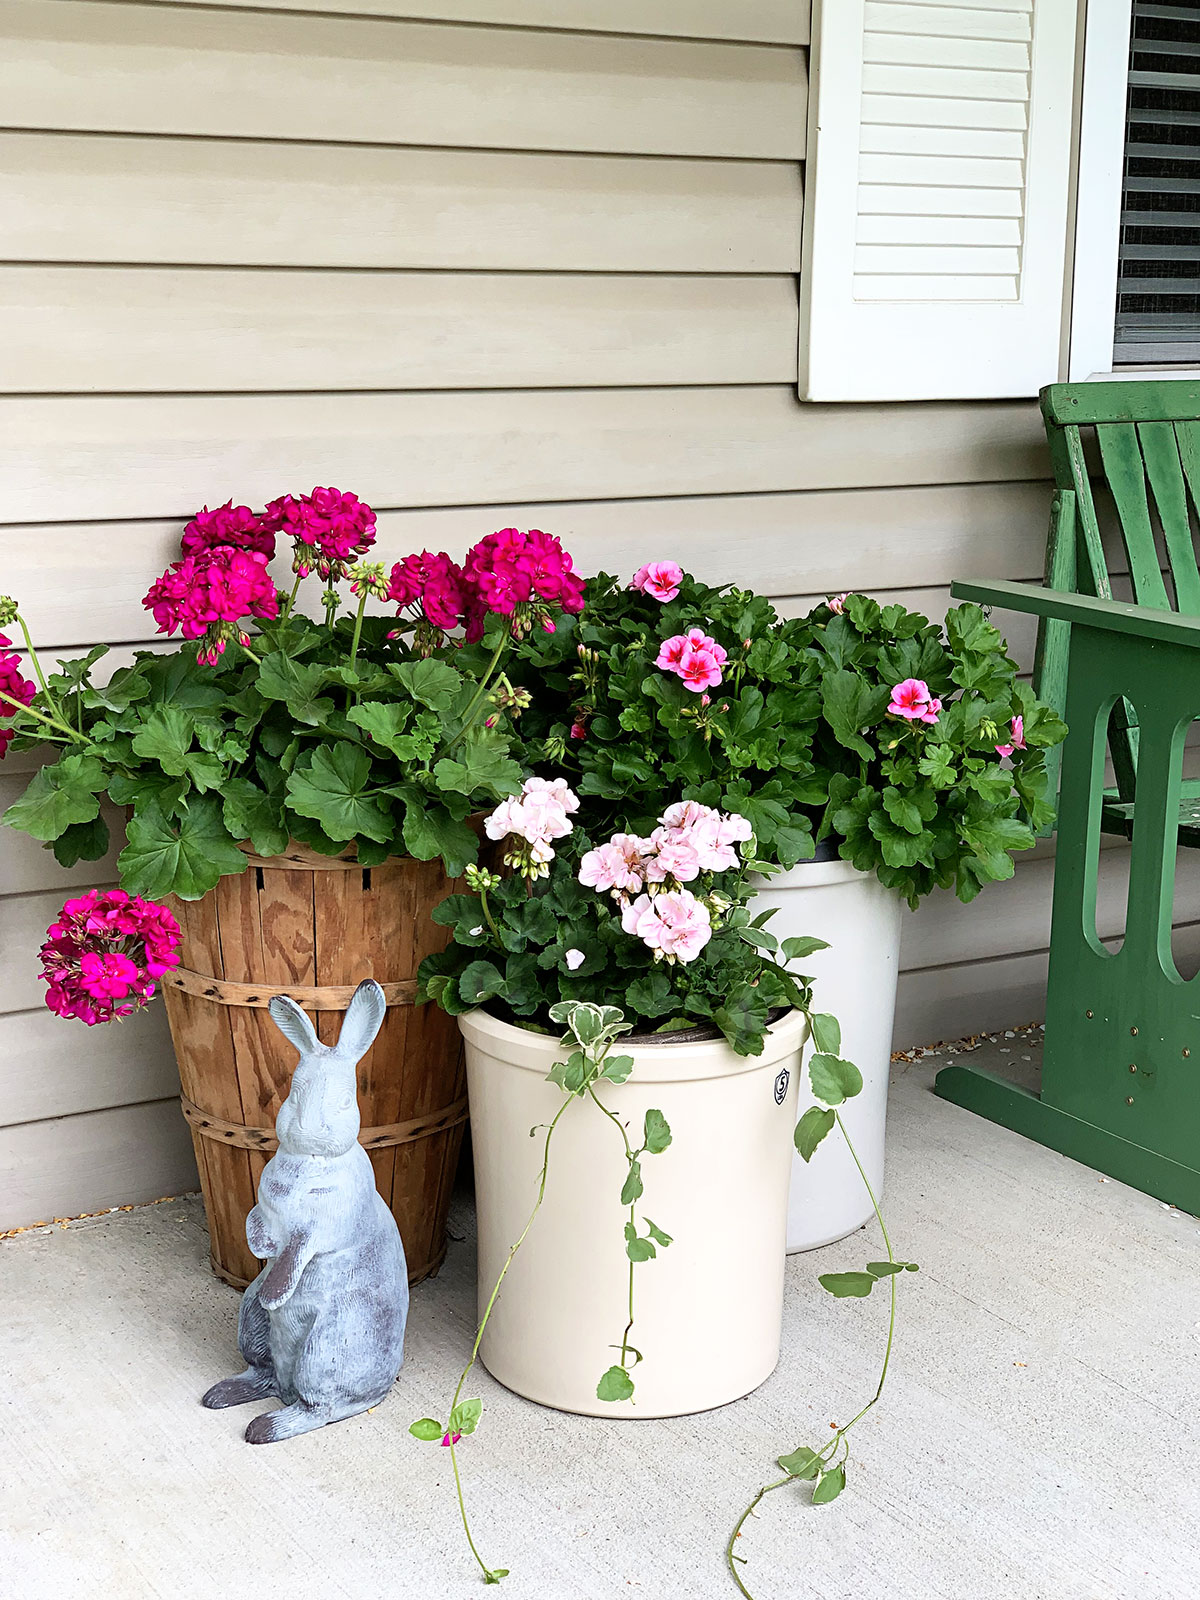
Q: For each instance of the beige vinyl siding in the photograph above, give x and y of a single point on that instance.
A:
(484, 262)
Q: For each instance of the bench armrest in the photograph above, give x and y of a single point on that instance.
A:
(1114, 616)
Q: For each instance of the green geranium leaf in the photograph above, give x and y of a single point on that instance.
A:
(329, 786)
(834, 1080)
(297, 684)
(185, 856)
(829, 1486)
(850, 705)
(428, 1430)
(385, 725)
(616, 1384)
(743, 1019)
(45, 811)
(847, 1285)
(430, 830)
(465, 1416)
(479, 767)
(251, 813)
(433, 683)
(811, 1129)
(82, 841)
(656, 1134)
(480, 981)
(652, 995)
(166, 738)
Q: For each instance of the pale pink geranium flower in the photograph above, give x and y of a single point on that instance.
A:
(659, 579)
(617, 865)
(837, 603)
(674, 857)
(675, 924)
(1016, 737)
(913, 701)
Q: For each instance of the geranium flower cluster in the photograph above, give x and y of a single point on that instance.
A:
(530, 822)
(913, 701)
(15, 689)
(237, 526)
(103, 955)
(328, 528)
(207, 595)
(695, 657)
(645, 876)
(519, 575)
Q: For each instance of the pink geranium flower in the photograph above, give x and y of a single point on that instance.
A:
(232, 525)
(675, 925)
(693, 656)
(913, 701)
(659, 579)
(15, 689)
(208, 595)
(617, 865)
(1016, 737)
(102, 956)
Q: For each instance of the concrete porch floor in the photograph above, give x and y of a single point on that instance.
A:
(1040, 1435)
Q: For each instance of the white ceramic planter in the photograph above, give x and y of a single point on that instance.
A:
(709, 1308)
(856, 981)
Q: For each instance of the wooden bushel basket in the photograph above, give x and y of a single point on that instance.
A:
(313, 927)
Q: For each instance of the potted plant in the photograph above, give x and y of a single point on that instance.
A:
(877, 756)
(634, 1040)
(299, 794)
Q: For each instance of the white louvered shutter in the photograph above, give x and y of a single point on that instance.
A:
(936, 214)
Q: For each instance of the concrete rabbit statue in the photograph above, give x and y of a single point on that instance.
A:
(322, 1326)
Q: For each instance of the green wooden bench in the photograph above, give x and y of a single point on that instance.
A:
(1121, 1067)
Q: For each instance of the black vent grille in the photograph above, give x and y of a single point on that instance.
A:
(1158, 289)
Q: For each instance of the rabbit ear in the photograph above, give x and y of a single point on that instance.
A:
(293, 1024)
(364, 1016)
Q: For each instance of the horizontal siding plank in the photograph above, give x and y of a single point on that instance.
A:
(937, 1003)
(775, 543)
(69, 1165)
(129, 330)
(227, 203)
(758, 21)
(25, 864)
(49, 1069)
(63, 459)
(116, 68)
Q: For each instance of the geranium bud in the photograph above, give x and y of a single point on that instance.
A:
(8, 610)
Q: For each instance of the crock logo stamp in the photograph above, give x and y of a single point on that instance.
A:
(781, 1086)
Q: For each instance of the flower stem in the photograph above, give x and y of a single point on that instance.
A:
(489, 1576)
(477, 697)
(19, 706)
(488, 918)
(291, 599)
(351, 694)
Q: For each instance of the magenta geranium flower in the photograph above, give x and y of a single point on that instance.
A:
(328, 529)
(520, 575)
(659, 579)
(232, 525)
(1016, 738)
(102, 956)
(15, 689)
(912, 700)
(207, 595)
